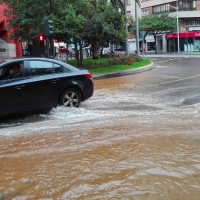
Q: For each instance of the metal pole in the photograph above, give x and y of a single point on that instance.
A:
(47, 47)
(178, 32)
(125, 12)
(51, 37)
(143, 47)
(137, 29)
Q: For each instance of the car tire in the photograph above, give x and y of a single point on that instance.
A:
(70, 98)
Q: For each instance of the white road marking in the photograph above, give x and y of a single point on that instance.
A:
(181, 79)
(168, 60)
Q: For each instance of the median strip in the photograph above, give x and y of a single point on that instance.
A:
(117, 65)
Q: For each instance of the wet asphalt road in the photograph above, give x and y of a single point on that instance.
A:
(137, 138)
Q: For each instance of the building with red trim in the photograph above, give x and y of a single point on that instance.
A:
(11, 48)
(189, 19)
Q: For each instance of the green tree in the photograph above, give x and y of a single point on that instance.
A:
(104, 24)
(156, 24)
(94, 21)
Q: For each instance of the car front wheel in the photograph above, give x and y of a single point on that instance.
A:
(70, 98)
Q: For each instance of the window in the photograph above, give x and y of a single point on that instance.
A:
(41, 68)
(129, 13)
(198, 21)
(189, 22)
(145, 12)
(128, 2)
(14, 70)
(57, 68)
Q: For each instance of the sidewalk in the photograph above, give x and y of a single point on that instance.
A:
(172, 55)
(166, 54)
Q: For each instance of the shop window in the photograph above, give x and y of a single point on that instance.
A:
(151, 46)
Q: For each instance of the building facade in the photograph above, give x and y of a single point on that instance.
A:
(11, 48)
(131, 14)
(189, 19)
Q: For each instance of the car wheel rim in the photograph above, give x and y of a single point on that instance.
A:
(70, 99)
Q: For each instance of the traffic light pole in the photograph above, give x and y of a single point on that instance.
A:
(48, 32)
(51, 49)
(47, 47)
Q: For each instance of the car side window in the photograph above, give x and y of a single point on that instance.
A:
(41, 68)
(66, 70)
(58, 68)
(12, 71)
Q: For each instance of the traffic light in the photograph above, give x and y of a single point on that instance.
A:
(41, 39)
(48, 27)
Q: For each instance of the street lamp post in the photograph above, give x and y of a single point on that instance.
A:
(125, 12)
(177, 23)
(137, 29)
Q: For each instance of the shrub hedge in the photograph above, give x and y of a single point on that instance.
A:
(115, 59)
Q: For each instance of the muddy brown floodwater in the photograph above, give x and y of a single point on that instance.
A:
(127, 142)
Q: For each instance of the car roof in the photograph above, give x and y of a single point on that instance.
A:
(11, 60)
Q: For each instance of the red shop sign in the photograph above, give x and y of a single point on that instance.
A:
(183, 35)
(174, 35)
(193, 34)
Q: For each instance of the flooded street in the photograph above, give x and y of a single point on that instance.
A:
(137, 138)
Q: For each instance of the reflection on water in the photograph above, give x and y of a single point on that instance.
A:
(119, 145)
(126, 158)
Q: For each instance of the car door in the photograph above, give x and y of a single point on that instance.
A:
(13, 92)
(41, 84)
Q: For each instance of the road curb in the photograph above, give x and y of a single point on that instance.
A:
(125, 72)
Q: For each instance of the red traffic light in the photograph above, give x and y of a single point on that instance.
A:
(41, 38)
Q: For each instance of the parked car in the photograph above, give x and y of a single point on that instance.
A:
(30, 84)
(63, 49)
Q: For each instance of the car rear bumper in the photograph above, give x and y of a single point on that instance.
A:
(88, 89)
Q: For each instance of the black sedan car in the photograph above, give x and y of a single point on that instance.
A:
(30, 84)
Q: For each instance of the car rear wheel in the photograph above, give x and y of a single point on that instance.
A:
(70, 98)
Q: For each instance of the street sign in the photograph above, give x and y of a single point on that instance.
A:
(142, 33)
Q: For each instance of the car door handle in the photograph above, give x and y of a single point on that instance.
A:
(55, 80)
(19, 87)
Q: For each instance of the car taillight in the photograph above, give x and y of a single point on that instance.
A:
(89, 76)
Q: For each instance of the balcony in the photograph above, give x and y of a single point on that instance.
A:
(187, 9)
(183, 9)
(171, 10)
(187, 14)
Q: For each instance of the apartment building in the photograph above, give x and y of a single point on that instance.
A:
(189, 19)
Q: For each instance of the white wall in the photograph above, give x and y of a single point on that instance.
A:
(132, 45)
(10, 49)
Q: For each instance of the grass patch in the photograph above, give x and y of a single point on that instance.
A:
(117, 68)
(88, 61)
